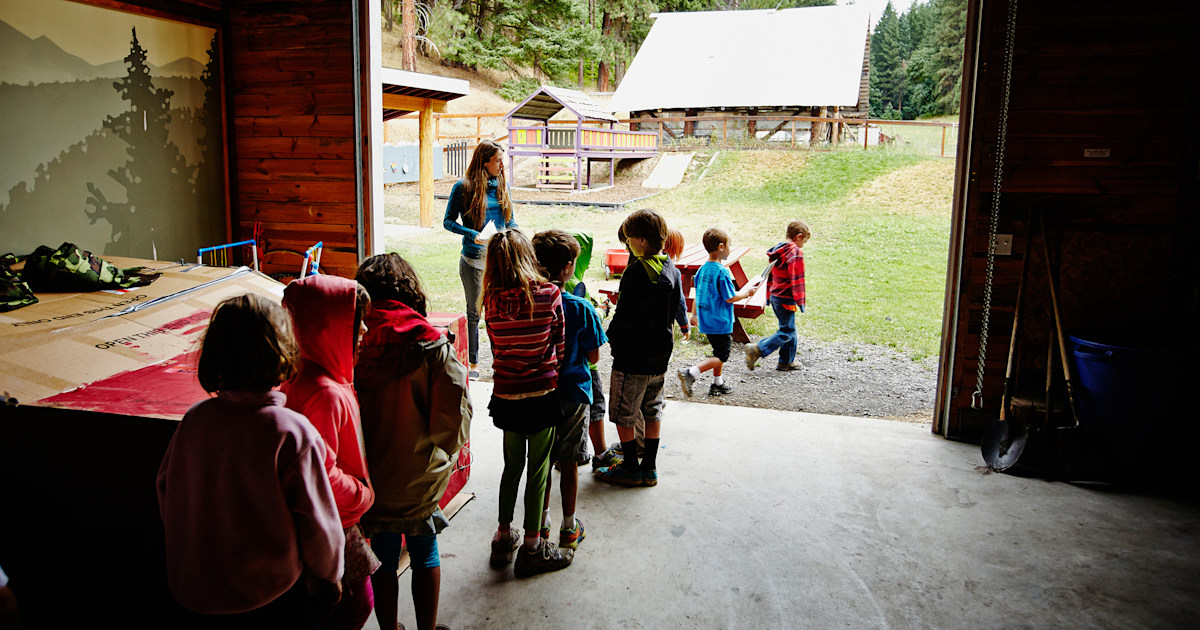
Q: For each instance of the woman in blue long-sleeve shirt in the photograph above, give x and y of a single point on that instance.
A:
(479, 198)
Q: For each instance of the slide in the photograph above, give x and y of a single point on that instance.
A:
(669, 171)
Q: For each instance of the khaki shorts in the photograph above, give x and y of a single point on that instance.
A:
(570, 436)
(632, 397)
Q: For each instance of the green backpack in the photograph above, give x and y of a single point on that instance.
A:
(69, 268)
(14, 292)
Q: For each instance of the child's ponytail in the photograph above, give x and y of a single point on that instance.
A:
(510, 265)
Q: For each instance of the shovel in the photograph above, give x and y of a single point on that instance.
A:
(1004, 439)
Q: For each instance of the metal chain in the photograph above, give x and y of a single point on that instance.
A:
(1001, 141)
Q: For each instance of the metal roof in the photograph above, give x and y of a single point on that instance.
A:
(808, 57)
(420, 85)
(548, 100)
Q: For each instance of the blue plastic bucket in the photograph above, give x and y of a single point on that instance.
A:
(1125, 395)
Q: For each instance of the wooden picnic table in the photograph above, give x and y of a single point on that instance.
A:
(689, 262)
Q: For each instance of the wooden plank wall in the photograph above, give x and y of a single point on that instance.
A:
(1106, 76)
(291, 79)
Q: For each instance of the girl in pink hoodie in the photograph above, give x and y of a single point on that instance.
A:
(242, 490)
(327, 312)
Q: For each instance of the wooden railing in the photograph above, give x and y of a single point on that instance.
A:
(593, 138)
(475, 138)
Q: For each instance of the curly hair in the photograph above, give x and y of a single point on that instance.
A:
(390, 277)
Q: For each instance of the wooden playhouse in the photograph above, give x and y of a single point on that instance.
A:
(566, 149)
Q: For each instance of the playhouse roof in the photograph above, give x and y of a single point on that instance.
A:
(548, 100)
(808, 57)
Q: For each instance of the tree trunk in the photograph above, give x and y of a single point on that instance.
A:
(602, 83)
(389, 14)
(408, 40)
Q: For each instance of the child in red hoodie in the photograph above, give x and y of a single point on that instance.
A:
(785, 286)
(327, 312)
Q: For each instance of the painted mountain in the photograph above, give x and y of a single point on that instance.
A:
(97, 157)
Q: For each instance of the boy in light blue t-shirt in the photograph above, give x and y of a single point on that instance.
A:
(557, 252)
(715, 295)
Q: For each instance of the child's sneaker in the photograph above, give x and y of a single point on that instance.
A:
(650, 477)
(686, 380)
(753, 354)
(621, 475)
(606, 459)
(545, 558)
(570, 538)
(719, 390)
(503, 548)
(616, 448)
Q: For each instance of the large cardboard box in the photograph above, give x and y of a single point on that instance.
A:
(95, 384)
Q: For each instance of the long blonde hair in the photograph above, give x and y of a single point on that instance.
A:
(475, 187)
(510, 265)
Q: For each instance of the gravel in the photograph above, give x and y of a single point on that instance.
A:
(839, 378)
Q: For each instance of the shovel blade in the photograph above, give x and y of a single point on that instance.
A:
(1003, 443)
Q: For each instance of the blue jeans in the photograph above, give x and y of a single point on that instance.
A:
(784, 339)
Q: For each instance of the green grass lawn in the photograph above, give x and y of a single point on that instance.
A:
(876, 264)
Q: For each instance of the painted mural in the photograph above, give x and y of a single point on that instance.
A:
(111, 132)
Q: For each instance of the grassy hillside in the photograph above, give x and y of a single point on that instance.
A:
(876, 264)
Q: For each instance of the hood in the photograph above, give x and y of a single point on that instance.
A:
(784, 251)
(396, 337)
(509, 302)
(322, 309)
(652, 265)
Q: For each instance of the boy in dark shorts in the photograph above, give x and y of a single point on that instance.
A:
(641, 338)
(713, 313)
(556, 253)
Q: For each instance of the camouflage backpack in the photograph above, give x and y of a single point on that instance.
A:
(14, 292)
(69, 268)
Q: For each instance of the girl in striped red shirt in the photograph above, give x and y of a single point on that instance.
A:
(525, 325)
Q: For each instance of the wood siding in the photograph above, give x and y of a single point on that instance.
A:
(1103, 77)
(291, 80)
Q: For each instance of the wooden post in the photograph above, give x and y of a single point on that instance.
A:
(818, 129)
(426, 165)
(437, 126)
(478, 129)
(793, 133)
(660, 132)
(866, 130)
(943, 141)
(387, 124)
(837, 129)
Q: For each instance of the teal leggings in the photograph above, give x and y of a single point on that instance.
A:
(540, 444)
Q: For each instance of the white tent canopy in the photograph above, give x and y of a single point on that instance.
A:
(768, 58)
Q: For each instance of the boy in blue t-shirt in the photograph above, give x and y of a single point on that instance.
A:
(715, 295)
(556, 253)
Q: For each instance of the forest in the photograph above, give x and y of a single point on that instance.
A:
(916, 56)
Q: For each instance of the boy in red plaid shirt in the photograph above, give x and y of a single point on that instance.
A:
(785, 286)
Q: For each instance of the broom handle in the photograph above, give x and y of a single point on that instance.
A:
(1062, 345)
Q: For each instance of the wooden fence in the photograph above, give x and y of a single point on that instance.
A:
(740, 131)
(736, 131)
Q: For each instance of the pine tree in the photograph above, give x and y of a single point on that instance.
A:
(887, 55)
(154, 177)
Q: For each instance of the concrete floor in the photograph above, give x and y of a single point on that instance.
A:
(766, 519)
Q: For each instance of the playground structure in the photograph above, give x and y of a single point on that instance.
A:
(565, 152)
